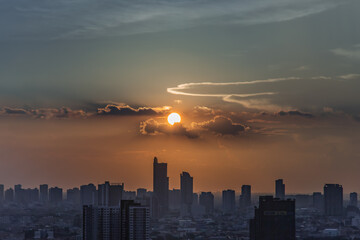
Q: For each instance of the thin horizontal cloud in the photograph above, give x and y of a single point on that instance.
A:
(280, 94)
(295, 113)
(65, 112)
(45, 113)
(182, 89)
(92, 19)
(126, 110)
(352, 53)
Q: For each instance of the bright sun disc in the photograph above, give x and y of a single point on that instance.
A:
(174, 118)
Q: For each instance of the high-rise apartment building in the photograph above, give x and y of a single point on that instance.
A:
(274, 220)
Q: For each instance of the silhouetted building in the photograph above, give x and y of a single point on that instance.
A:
(318, 201)
(333, 199)
(9, 195)
(18, 193)
(195, 199)
(55, 195)
(88, 194)
(44, 193)
(245, 197)
(206, 200)
(161, 188)
(274, 220)
(353, 199)
(186, 188)
(175, 199)
(228, 201)
(141, 193)
(129, 195)
(1, 193)
(279, 189)
(73, 195)
(110, 194)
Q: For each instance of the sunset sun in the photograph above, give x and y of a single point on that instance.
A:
(174, 118)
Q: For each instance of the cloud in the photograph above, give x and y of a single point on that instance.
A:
(15, 111)
(295, 113)
(45, 113)
(114, 109)
(350, 76)
(125, 110)
(353, 53)
(152, 127)
(90, 19)
(280, 94)
(221, 125)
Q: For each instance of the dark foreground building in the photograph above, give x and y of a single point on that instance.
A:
(274, 220)
(129, 221)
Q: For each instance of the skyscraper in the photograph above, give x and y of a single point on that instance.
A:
(206, 200)
(18, 196)
(135, 221)
(318, 201)
(245, 197)
(353, 199)
(160, 188)
(141, 193)
(127, 221)
(73, 195)
(175, 199)
(279, 189)
(139, 223)
(333, 199)
(110, 194)
(44, 193)
(101, 223)
(1, 193)
(9, 195)
(88, 194)
(55, 195)
(274, 220)
(186, 188)
(228, 201)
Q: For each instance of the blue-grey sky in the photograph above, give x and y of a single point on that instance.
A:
(269, 75)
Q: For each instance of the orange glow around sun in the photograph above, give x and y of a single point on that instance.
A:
(174, 118)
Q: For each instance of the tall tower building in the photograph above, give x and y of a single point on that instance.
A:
(333, 199)
(245, 197)
(160, 188)
(279, 189)
(44, 193)
(274, 220)
(186, 188)
(228, 201)
(353, 199)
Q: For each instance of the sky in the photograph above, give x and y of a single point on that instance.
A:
(266, 89)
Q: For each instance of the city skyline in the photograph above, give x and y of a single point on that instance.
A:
(160, 172)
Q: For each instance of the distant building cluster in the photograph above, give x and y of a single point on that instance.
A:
(108, 211)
